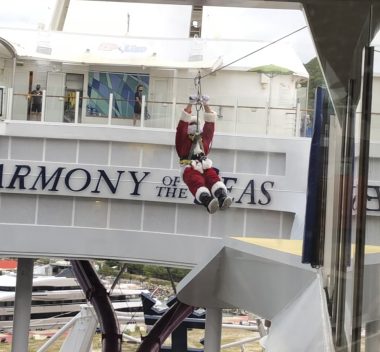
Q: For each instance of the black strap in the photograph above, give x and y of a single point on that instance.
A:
(197, 138)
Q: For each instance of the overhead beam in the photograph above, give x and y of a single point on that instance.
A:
(270, 4)
(59, 15)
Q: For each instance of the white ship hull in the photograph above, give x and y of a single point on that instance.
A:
(55, 300)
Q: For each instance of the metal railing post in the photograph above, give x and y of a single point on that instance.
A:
(9, 104)
(43, 106)
(298, 120)
(110, 109)
(22, 305)
(76, 116)
(143, 110)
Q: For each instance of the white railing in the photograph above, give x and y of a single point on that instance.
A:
(81, 328)
(232, 119)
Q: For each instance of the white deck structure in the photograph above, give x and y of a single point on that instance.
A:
(88, 185)
(59, 171)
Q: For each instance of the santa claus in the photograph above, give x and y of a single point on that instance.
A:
(193, 144)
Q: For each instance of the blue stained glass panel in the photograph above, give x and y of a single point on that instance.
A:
(121, 85)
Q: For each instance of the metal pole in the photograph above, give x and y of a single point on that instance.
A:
(43, 105)
(121, 272)
(345, 220)
(142, 117)
(110, 106)
(9, 103)
(23, 302)
(298, 120)
(365, 131)
(213, 330)
(59, 15)
(76, 117)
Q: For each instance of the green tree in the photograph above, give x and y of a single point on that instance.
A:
(112, 267)
(135, 269)
(315, 79)
(178, 274)
(106, 270)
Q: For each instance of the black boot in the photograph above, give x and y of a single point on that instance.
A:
(224, 201)
(209, 202)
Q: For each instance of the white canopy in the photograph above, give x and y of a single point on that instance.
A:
(149, 52)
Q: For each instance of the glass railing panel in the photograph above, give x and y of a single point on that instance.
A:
(158, 114)
(226, 119)
(54, 108)
(122, 112)
(95, 111)
(21, 109)
(225, 122)
(282, 122)
(72, 112)
(232, 118)
(251, 120)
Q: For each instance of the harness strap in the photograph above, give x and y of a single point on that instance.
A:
(196, 139)
(185, 162)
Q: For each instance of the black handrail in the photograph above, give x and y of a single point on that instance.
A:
(97, 294)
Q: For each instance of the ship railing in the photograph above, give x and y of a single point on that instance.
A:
(234, 117)
(81, 328)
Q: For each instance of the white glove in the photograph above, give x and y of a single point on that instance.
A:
(206, 163)
(193, 99)
(205, 99)
(197, 165)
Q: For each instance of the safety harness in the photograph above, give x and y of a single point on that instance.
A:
(196, 137)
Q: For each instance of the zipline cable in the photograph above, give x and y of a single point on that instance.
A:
(197, 79)
(231, 63)
(255, 51)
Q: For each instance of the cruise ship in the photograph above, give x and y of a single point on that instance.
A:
(56, 299)
(81, 179)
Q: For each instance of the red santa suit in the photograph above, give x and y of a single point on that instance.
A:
(198, 173)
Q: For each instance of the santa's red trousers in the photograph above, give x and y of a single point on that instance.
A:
(194, 179)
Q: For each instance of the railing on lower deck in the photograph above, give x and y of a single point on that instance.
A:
(231, 119)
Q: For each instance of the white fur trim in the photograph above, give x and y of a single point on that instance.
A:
(216, 186)
(209, 116)
(197, 166)
(206, 163)
(185, 116)
(193, 119)
(201, 190)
